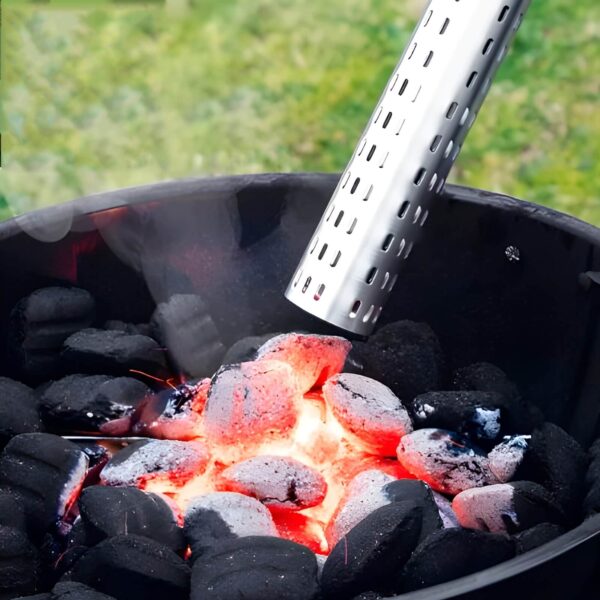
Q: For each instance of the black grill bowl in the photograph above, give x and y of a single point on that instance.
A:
(236, 242)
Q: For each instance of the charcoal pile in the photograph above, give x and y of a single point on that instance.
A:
(292, 465)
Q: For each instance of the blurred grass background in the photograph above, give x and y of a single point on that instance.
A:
(99, 95)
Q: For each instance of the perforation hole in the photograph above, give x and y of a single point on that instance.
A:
(369, 313)
(331, 210)
(503, 13)
(448, 149)
(464, 117)
(502, 54)
(314, 245)
(409, 250)
(346, 180)
(428, 18)
(417, 214)
(377, 314)
(403, 87)
(432, 182)
(436, 143)
(378, 114)
(323, 251)
(424, 218)
(444, 26)
(412, 51)
(394, 82)
(440, 185)
(371, 276)
(455, 153)
(389, 238)
(368, 194)
(393, 283)
(471, 119)
(417, 94)
(472, 78)
(401, 248)
(384, 159)
(336, 260)
(401, 126)
(518, 22)
(387, 120)
(352, 226)
(306, 284)
(339, 218)
(487, 47)
(418, 180)
(403, 209)
(355, 185)
(452, 110)
(354, 310)
(362, 146)
(319, 292)
(386, 278)
(298, 277)
(371, 152)
(428, 59)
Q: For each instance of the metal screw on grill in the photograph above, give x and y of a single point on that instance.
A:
(378, 211)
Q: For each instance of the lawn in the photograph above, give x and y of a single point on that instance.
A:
(100, 95)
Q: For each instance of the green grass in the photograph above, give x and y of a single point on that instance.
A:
(114, 95)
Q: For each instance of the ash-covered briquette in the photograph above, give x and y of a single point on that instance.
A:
(19, 563)
(174, 414)
(250, 402)
(149, 459)
(40, 323)
(445, 509)
(368, 410)
(448, 554)
(185, 327)
(85, 402)
(246, 349)
(405, 356)
(218, 516)
(97, 351)
(279, 482)
(504, 458)
(372, 554)
(133, 566)
(45, 473)
(536, 536)
(255, 568)
(507, 507)
(18, 410)
(447, 461)
(133, 328)
(109, 511)
(556, 461)
(314, 358)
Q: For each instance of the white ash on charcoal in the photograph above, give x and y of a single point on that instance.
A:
(255, 568)
(249, 403)
(83, 403)
(405, 356)
(444, 506)
(246, 349)
(19, 411)
(174, 414)
(504, 459)
(537, 536)
(133, 566)
(314, 358)
(372, 554)
(556, 461)
(97, 351)
(506, 508)
(185, 327)
(368, 410)
(108, 511)
(45, 473)
(447, 461)
(219, 516)
(40, 323)
(134, 328)
(279, 482)
(19, 563)
(448, 554)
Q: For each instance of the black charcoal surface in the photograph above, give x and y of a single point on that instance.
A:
(255, 568)
(45, 472)
(556, 461)
(369, 596)
(537, 536)
(40, 323)
(71, 590)
(373, 553)
(97, 351)
(217, 516)
(12, 513)
(85, 402)
(451, 553)
(133, 566)
(591, 503)
(19, 563)
(245, 349)
(507, 508)
(18, 410)
(406, 356)
(110, 511)
(185, 327)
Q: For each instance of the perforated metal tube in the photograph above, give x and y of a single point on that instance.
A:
(375, 218)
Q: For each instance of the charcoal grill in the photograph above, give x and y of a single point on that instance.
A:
(499, 279)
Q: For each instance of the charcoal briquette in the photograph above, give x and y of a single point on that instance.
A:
(246, 349)
(71, 590)
(536, 536)
(110, 511)
(369, 596)
(19, 563)
(505, 458)
(373, 553)
(185, 327)
(97, 351)
(12, 513)
(46, 473)
(135, 328)
(133, 566)
(448, 554)
(18, 410)
(444, 506)
(86, 402)
(405, 356)
(255, 568)
(591, 502)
